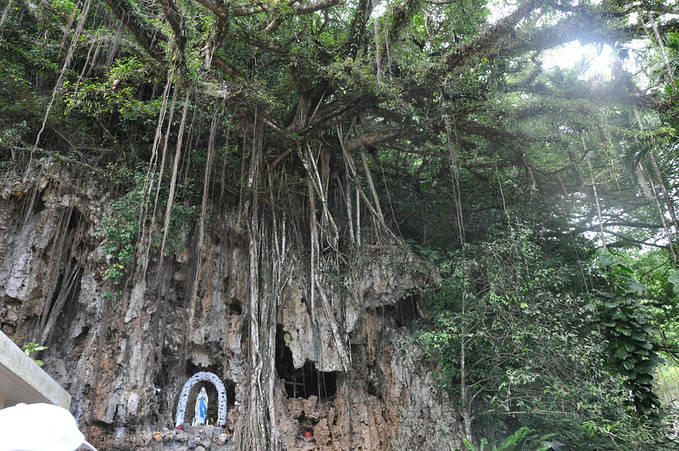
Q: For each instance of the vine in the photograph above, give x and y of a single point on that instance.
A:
(625, 325)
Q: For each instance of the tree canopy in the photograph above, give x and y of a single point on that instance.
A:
(407, 83)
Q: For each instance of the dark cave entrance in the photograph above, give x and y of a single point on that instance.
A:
(305, 381)
(404, 313)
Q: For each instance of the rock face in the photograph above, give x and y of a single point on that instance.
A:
(125, 357)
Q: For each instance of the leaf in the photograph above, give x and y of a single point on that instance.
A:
(484, 445)
(645, 379)
(630, 346)
(624, 270)
(605, 258)
(649, 330)
(468, 445)
(646, 366)
(605, 294)
(634, 287)
(515, 439)
(620, 315)
(628, 364)
(674, 280)
(639, 337)
(621, 353)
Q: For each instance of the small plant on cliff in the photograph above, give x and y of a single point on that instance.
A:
(121, 229)
(30, 348)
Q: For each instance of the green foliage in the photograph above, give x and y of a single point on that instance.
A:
(534, 357)
(520, 438)
(118, 92)
(121, 229)
(625, 324)
(674, 280)
(666, 382)
(30, 348)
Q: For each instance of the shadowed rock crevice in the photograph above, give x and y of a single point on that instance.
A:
(305, 381)
(406, 312)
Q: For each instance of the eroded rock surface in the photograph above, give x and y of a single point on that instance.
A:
(124, 358)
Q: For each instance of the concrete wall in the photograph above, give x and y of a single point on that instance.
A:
(22, 380)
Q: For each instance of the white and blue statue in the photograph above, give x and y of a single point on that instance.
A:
(200, 415)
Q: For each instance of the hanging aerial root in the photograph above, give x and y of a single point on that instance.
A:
(455, 182)
(69, 24)
(54, 263)
(144, 242)
(312, 171)
(163, 158)
(315, 285)
(60, 80)
(653, 196)
(5, 13)
(596, 197)
(375, 212)
(201, 221)
(258, 430)
(173, 180)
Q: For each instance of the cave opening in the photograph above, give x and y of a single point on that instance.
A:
(404, 313)
(305, 381)
(235, 308)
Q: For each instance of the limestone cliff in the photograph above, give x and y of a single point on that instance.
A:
(124, 358)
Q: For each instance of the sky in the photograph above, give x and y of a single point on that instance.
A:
(599, 59)
(596, 60)
(567, 56)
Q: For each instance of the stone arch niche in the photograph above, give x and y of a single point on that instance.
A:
(184, 397)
